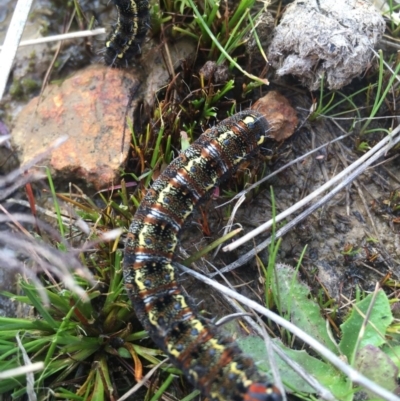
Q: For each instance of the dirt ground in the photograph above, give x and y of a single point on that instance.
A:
(352, 241)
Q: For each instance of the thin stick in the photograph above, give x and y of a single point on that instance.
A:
(63, 36)
(246, 257)
(22, 370)
(142, 382)
(30, 378)
(11, 41)
(366, 321)
(313, 195)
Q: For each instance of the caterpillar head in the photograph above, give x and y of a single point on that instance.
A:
(262, 392)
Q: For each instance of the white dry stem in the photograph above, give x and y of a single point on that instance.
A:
(344, 178)
(111, 235)
(312, 195)
(63, 36)
(328, 355)
(21, 175)
(12, 40)
(229, 224)
(366, 317)
(74, 220)
(142, 382)
(396, 77)
(4, 139)
(22, 370)
(274, 369)
(46, 257)
(30, 378)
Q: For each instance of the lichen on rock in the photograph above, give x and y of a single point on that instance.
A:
(330, 40)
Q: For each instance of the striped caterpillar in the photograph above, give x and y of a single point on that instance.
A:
(211, 362)
(129, 32)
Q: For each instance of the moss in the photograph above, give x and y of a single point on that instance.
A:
(32, 61)
(20, 88)
(16, 89)
(29, 85)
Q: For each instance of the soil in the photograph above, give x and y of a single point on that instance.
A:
(354, 240)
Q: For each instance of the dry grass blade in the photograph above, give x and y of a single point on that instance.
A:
(367, 316)
(18, 245)
(274, 369)
(142, 382)
(64, 36)
(30, 379)
(229, 224)
(44, 257)
(386, 65)
(74, 220)
(21, 176)
(22, 370)
(11, 41)
(344, 179)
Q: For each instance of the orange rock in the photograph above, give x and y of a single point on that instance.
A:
(279, 113)
(88, 107)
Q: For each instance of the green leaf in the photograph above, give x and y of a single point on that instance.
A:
(379, 320)
(33, 295)
(98, 390)
(62, 393)
(294, 300)
(377, 366)
(324, 373)
(10, 323)
(185, 142)
(393, 352)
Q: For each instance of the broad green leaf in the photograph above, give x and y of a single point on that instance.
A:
(374, 334)
(294, 300)
(377, 366)
(393, 352)
(322, 372)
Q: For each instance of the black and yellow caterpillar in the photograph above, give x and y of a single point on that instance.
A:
(129, 32)
(212, 362)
